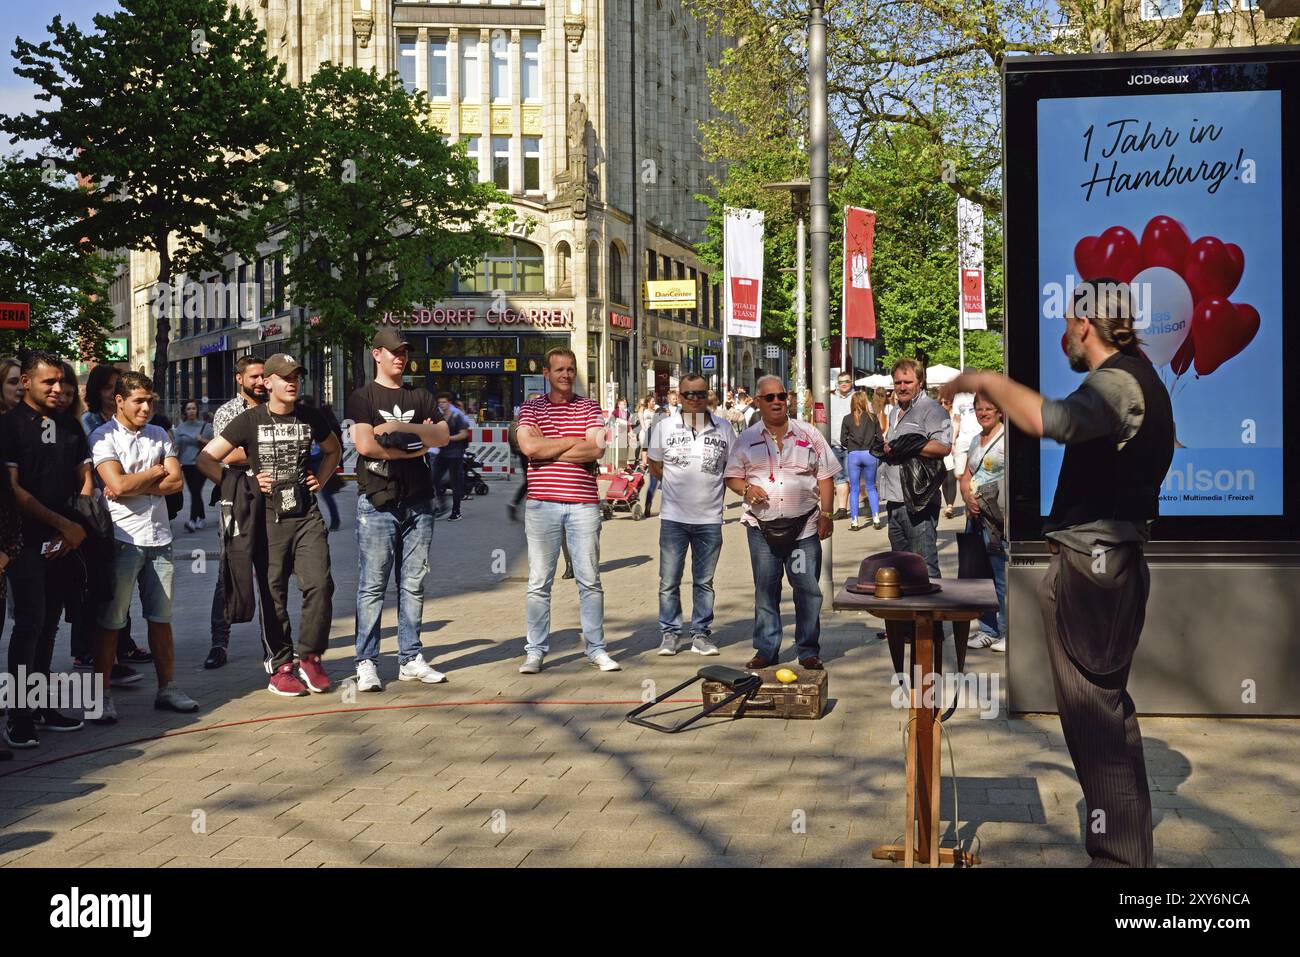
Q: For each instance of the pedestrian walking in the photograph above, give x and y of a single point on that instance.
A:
(191, 435)
(858, 431)
(449, 465)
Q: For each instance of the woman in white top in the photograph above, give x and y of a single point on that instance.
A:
(986, 465)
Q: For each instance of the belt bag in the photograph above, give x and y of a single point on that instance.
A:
(290, 499)
(782, 534)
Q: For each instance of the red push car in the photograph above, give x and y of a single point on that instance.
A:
(623, 494)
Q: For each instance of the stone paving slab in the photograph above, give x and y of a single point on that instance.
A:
(496, 769)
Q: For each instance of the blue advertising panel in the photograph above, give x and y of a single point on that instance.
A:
(1167, 174)
(1180, 198)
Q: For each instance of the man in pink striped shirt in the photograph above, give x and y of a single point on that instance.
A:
(562, 436)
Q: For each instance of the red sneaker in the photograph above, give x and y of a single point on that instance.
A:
(284, 682)
(313, 674)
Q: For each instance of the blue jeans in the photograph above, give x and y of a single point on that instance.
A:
(803, 568)
(995, 623)
(706, 546)
(400, 536)
(862, 467)
(546, 525)
(650, 492)
(841, 456)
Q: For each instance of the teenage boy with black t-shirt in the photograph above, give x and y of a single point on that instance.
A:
(49, 464)
(277, 438)
(392, 428)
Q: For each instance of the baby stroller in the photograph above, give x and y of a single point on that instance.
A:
(624, 493)
(474, 484)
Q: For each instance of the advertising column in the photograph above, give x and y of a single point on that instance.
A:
(1166, 177)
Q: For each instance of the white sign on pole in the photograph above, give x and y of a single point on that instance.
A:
(970, 265)
(743, 272)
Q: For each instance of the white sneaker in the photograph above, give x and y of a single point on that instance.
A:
(532, 664)
(669, 645)
(702, 646)
(981, 639)
(417, 669)
(605, 663)
(999, 645)
(368, 677)
(200, 524)
(189, 525)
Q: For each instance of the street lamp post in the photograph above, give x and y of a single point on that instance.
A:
(819, 177)
(798, 190)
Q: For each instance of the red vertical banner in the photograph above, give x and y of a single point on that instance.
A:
(859, 316)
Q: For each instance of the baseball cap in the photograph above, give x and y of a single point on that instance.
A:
(283, 365)
(389, 339)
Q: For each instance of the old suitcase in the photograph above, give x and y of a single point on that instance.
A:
(804, 698)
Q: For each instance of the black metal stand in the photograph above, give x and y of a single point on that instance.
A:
(743, 685)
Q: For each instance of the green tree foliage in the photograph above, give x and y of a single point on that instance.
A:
(64, 281)
(388, 208)
(166, 110)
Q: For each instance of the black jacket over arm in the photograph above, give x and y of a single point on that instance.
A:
(243, 534)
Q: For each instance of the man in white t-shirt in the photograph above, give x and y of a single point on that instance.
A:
(138, 465)
(841, 405)
(688, 454)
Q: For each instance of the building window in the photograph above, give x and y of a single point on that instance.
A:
(406, 61)
(695, 310)
(615, 274)
(564, 266)
(438, 67)
(472, 151)
(278, 273)
(593, 270)
(500, 74)
(469, 68)
(501, 161)
(532, 164)
(532, 68)
(515, 265)
(266, 286)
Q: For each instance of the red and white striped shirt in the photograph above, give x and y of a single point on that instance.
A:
(561, 481)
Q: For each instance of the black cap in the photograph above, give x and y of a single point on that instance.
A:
(388, 338)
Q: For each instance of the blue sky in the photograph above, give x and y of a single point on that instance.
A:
(29, 20)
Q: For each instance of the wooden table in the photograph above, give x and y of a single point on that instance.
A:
(959, 601)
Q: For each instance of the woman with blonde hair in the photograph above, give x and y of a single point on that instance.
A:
(11, 383)
(858, 430)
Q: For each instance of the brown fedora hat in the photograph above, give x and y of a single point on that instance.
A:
(913, 577)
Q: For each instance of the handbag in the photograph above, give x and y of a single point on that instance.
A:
(782, 534)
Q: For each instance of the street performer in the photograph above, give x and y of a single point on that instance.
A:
(1119, 431)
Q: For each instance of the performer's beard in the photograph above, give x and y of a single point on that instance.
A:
(1074, 352)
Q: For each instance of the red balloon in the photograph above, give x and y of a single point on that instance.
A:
(1213, 268)
(1164, 243)
(1220, 330)
(1115, 254)
(1183, 357)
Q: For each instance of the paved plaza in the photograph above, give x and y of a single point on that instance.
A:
(495, 768)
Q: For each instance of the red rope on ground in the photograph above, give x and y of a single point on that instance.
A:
(317, 714)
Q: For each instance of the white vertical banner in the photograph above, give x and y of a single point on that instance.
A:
(970, 264)
(743, 271)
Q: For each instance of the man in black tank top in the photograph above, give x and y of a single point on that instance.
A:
(1118, 430)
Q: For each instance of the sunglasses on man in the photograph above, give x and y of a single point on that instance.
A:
(775, 396)
(695, 395)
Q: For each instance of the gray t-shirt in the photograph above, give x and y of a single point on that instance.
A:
(922, 415)
(1108, 403)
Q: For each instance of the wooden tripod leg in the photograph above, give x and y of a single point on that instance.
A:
(924, 714)
(913, 717)
(936, 772)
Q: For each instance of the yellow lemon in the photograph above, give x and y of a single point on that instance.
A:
(786, 676)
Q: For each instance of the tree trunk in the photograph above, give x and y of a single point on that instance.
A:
(358, 352)
(162, 338)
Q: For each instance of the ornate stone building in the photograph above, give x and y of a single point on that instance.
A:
(585, 112)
